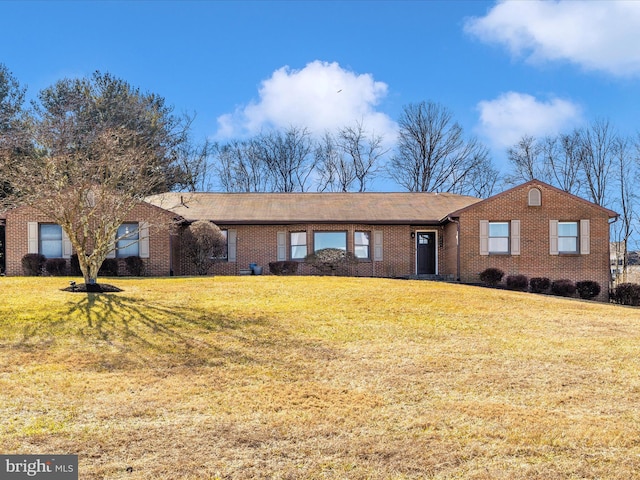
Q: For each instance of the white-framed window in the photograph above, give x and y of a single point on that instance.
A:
(50, 240)
(322, 240)
(568, 237)
(362, 245)
(498, 237)
(127, 240)
(298, 245)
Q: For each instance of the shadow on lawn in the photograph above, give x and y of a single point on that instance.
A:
(134, 330)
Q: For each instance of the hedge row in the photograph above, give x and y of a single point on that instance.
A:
(34, 264)
(586, 289)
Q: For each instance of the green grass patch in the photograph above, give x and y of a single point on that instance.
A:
(318, 377)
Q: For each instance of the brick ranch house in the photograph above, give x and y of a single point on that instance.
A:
(533, 229)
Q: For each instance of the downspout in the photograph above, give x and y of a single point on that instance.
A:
(457, 222)
(611, 279)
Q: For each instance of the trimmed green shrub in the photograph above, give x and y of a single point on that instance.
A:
(491, 276)
(33, 264)
(517, 282)
(588, 289)
(627, 294)
(563, 288)
(539, 285)
(109, 268)
(283, 267)
(135, 265)
(55, 266)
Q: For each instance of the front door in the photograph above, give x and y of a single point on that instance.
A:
(426, 253)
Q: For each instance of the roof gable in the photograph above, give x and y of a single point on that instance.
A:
(526, 186)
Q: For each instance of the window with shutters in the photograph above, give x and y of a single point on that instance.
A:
(568, 237)
(50, 240)
(298, 245)
(127, 240)
(361, 245)
(225, 253)
(498, 237)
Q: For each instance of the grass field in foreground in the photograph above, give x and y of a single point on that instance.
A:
(318, 378)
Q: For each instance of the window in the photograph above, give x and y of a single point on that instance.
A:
(498, 237)
(568, 237)
(225, 253)
(361, 245)
(127, 240)
(298, 245)
(50, 240)
(322, 240)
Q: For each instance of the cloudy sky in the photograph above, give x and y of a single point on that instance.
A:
(504, 69)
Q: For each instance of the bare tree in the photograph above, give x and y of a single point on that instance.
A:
(597, 154)
(562, 161)
(203, 242)
(240, 168)
(102, 146)
(526, 162)
(193, 161)
(432, 153)
(364, 152)
(625, 199)
(335, 173)
(287, 156)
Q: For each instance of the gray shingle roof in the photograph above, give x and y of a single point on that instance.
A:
(279, 208)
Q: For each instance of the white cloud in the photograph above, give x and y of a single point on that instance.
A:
(322, 96)
(504, 120)
(597, 35)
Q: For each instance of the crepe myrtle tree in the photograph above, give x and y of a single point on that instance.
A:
(99, 148)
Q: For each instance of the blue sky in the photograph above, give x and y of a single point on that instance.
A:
(503, 69)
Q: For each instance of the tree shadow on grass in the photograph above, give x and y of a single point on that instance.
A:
(122, 330)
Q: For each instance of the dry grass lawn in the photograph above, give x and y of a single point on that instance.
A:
(318, 378)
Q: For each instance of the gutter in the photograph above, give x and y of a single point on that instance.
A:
(457, 222)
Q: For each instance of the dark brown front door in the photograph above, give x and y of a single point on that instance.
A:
(426, 257)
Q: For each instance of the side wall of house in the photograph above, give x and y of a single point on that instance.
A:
(158, 262)
(535, 258)
(259, 244)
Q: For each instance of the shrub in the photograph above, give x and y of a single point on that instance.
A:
(109, 268)
(202, 242)
(135, 265)
(539, 284)
(56, 266)
(627, 294)
(283, 268)
(491, 276)
(74, 265)
(331, 260)
(563, 288)
(517, 282)
(588, 289)
(32, 264)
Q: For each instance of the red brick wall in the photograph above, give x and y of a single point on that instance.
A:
(158, 263)
(535, 259)
(259, 244)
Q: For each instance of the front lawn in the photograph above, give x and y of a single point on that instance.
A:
(318, 378)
